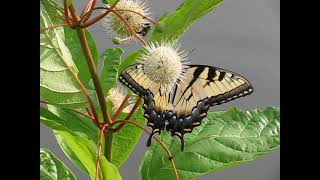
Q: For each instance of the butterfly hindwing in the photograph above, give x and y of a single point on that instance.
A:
(188, 103)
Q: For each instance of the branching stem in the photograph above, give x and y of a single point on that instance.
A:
(158, 140)
(128, 116)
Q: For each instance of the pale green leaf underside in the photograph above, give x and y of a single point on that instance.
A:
(86, 153)
(57, 85)
(78, 138)
(71, 39)
(224, 139)
(64, 120)
(52, 168)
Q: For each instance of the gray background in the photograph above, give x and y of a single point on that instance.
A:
(242, 36)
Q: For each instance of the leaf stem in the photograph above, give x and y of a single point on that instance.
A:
(96, 19)
(87, 10)
(99, 152)
(67, 15)
(122, 106)
(74, 13)
(81, 113)
(52, 27)
(55, 16)
(88, 116)
(128, 116)
(158, 140)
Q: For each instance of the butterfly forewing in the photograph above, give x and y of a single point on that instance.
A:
(219, 85)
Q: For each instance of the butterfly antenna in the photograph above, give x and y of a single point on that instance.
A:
(150, 137)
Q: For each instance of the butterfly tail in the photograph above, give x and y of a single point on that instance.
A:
(150, 137)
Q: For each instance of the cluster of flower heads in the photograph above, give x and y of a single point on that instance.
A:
(164, 62)
(116, 28)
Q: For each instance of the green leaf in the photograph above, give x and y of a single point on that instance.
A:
(55, 117)
(109, 74)
(109, 1)
(130, 59)
(52, 168)
(57, 85)
(86, 152)
(65, 120)
(47, 5)
(78, 138)
(126, 139)
(71, 39)
(223, 139)
(173, 26)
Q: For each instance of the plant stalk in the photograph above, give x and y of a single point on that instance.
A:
(94, 75)
(108, 145)
(98, 89)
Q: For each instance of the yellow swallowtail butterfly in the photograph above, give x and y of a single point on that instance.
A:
(189, 101)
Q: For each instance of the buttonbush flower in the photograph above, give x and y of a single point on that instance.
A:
(164, 63)
(116, 28)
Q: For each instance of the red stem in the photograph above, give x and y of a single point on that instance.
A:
(99, 152)
(81, 113)
(122, 106)
(74, 13)
(96, 19)
(85, 115)
(158, 140)
(58, 17)
(52, 27)
(67, 15)
(128, 116)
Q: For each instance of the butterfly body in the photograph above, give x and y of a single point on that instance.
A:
(189, 101)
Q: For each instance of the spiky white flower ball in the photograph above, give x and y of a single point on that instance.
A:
(164, 63)
(115, 27)
(116, 96)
